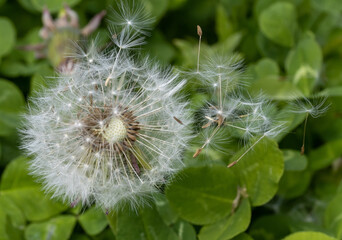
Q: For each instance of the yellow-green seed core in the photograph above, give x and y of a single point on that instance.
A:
(115, 131)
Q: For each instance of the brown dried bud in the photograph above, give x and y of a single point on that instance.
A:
(199, 31)
(231, 164)
(198, 151)
(220, 119)
(207, 124)
(179, 121)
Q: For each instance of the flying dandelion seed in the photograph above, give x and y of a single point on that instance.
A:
(314, 108)
(108, 133)
(231, 107)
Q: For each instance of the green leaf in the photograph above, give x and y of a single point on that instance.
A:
(243, 236)
(332, 6)
(260, 170)
(2, 2)
(266, 67)
(291, 119)
(105, 235)
(333, 215)
(184, 230)
(266, 78)
(8, 36)
(270, 227)
(93, 221)
(278, 23)
(270, 49)
(309, 235)
(14, 68)
(156, 8)
(41, 79)
(294, 183)
(189, 49)
(333, 72)
(303, 64)
(18, 187)
(59, 228)
(227, 46)
(24, 56)
(230, 226)
(13, 232)
(175, 4)
(144, 223)
(9, 149)
(76, 236)
(199, 195)
(164, 209)
(325, 155)
(12, 210)
(27, 5)
(188, 52)
(224, 28)
(276, 88)
(294, 160)
(11, 104)
(160, 48)
(3, 222)
(331, 92)
(52, 5)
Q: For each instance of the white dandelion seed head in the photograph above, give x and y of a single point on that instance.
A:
(315, 107)
(217, 142)
(129, 24)
(220, 71)
(109, 132)
(131, 15)
(230, 108)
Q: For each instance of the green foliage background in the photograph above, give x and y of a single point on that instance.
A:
(289, 46)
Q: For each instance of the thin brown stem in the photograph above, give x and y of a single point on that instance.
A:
(302, 150)
(199, 32)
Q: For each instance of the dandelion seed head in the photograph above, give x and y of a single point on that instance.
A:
(107, 133)
(315, 107)
(130, 23)
(230, 109)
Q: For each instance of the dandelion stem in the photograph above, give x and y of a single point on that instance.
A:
(211, 136)
(255, 143)
(304, 134)
(220, 92)
(114, 65)
(237, 127)
(199, 32)
(198, 151)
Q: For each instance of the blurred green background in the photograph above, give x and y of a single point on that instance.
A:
(291, 48)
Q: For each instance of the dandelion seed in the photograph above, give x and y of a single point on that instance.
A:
(314, 108)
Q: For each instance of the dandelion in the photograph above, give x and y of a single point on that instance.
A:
(59, 34)
(314, 108)
(110, 132)
(246, 118)
(231, 107)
